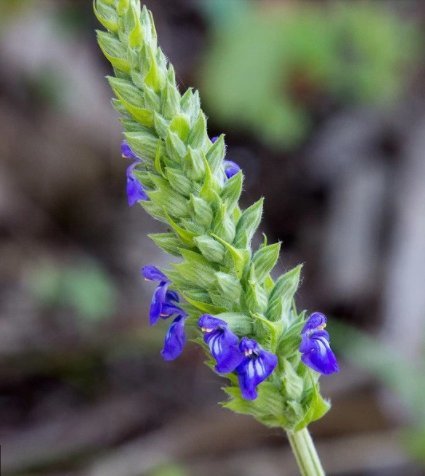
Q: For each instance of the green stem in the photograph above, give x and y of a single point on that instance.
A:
(305, 453)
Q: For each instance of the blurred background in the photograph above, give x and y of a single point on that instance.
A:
(323, 106)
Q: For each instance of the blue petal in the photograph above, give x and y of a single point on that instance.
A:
(172, 296)
(224, 347)
(246, 378)
(255, 368)
(206, 321)
(169, 305)
(157, 302)
(321, 358)
(135, 190)
(127, 152)
(230, 168)
(175, 339)
(307, 339)
(315, 348)
(167, 310)
(249, 346)
(152, 273)
(306, 344)
(315, 321)
(222, 342)
(318, 355)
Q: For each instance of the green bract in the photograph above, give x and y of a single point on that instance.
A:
(183, 173)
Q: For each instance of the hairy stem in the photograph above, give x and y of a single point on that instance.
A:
(305, 453)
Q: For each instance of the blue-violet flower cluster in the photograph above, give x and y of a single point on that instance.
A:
(251, 363)
(246, 357)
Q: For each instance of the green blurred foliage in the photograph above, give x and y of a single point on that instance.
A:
(69, 16)
(72, 19)
(11, 8)
(169, 470)
(48, 86)
(406, 379)
(84, 288)
(268, 65)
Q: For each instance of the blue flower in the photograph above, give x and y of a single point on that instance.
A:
(175, 339)
(164, 302)
(152, 273)
(315, 348)
(127, 152)
(256, 366)
(223, 344)
(230, 168)
(164, 305)
(135, 190)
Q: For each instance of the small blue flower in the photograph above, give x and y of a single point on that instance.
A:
(315, 348)
(127, 152)
(175, 339)
(164, 302)
(164, 305)
(152, 273)
(256, 366)
(230, 168)
(223, 344)
(135, 190)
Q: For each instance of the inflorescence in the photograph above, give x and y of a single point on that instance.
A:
(245, 357)
(221, 292)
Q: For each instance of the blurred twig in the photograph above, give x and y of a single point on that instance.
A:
(74, 433)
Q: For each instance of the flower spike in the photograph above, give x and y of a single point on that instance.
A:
(182, 179)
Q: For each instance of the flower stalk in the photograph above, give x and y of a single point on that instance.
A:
(222, 290)
(305, 453)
